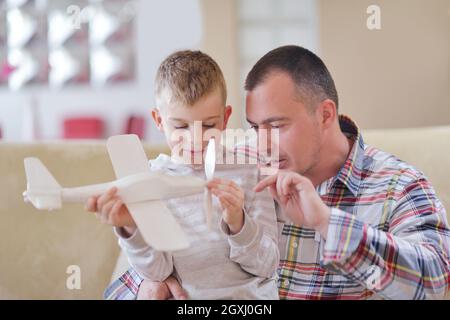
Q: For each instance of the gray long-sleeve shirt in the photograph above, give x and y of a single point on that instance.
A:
(217, 265)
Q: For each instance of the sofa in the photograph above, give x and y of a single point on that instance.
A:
(39, 249)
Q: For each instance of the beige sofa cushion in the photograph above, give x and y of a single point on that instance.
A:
(428, 149)
(37, 246)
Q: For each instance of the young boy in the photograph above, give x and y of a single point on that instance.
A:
(238, 258)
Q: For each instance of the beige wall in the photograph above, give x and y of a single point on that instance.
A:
(220, 41)
(398, 76)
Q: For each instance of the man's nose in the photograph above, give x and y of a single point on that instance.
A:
(264, 140)
(269, 143)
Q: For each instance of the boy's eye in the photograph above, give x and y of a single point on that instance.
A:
(277, 125)
(209, 126)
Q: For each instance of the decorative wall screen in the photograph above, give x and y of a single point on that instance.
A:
(264, 25)
(59, 43)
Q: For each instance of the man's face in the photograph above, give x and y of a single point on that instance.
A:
(275, 104)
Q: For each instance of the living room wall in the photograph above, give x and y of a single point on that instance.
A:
(398, 76)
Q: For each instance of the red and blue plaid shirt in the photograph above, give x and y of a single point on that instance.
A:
(388, 236)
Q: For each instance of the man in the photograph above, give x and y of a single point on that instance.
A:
(365, 224)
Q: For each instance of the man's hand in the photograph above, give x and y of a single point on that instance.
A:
(111, 210)
(231, 199)
(154, 290)
(298, 199)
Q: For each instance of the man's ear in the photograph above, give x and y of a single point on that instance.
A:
(327, 113)
(157, 119)
(226, 116)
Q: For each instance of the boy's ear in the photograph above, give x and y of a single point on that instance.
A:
(226, 116)
(157, 119)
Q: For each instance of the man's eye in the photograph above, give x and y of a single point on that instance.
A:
(209, 126)
(277, 126)
(254, 127)
(181, 127)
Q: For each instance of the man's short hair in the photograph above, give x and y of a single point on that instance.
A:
(187, 76)
(312, 78)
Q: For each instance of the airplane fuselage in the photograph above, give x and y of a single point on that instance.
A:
(131, 189)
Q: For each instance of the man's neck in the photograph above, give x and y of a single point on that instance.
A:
(333, 157)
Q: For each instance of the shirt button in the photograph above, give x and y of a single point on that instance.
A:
(294, 245)
(286, 283)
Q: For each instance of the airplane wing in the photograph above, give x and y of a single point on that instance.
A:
(127, 155)
(156, 224)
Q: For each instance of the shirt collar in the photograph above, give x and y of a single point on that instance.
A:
(169, 165)
(350, 173)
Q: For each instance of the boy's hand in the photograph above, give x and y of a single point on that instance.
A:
(111, 210)
(156, 290)
(231, 199)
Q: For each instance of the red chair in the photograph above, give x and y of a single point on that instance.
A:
(135, 125)
(83, 128)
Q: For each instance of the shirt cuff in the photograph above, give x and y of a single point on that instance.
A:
(344, 237)
(135, 241)
(244, 237)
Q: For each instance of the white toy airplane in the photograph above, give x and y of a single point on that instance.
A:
(141, 190)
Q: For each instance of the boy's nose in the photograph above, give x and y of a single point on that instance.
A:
(197, 148)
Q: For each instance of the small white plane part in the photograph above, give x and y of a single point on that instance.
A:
(141, 190)
(210, 165)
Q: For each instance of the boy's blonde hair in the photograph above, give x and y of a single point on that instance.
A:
(187, 76)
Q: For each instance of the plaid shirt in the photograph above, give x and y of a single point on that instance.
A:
(388, 236)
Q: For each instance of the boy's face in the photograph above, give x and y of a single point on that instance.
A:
(188, 128)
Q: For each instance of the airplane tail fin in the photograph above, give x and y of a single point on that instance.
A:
(43, 191)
